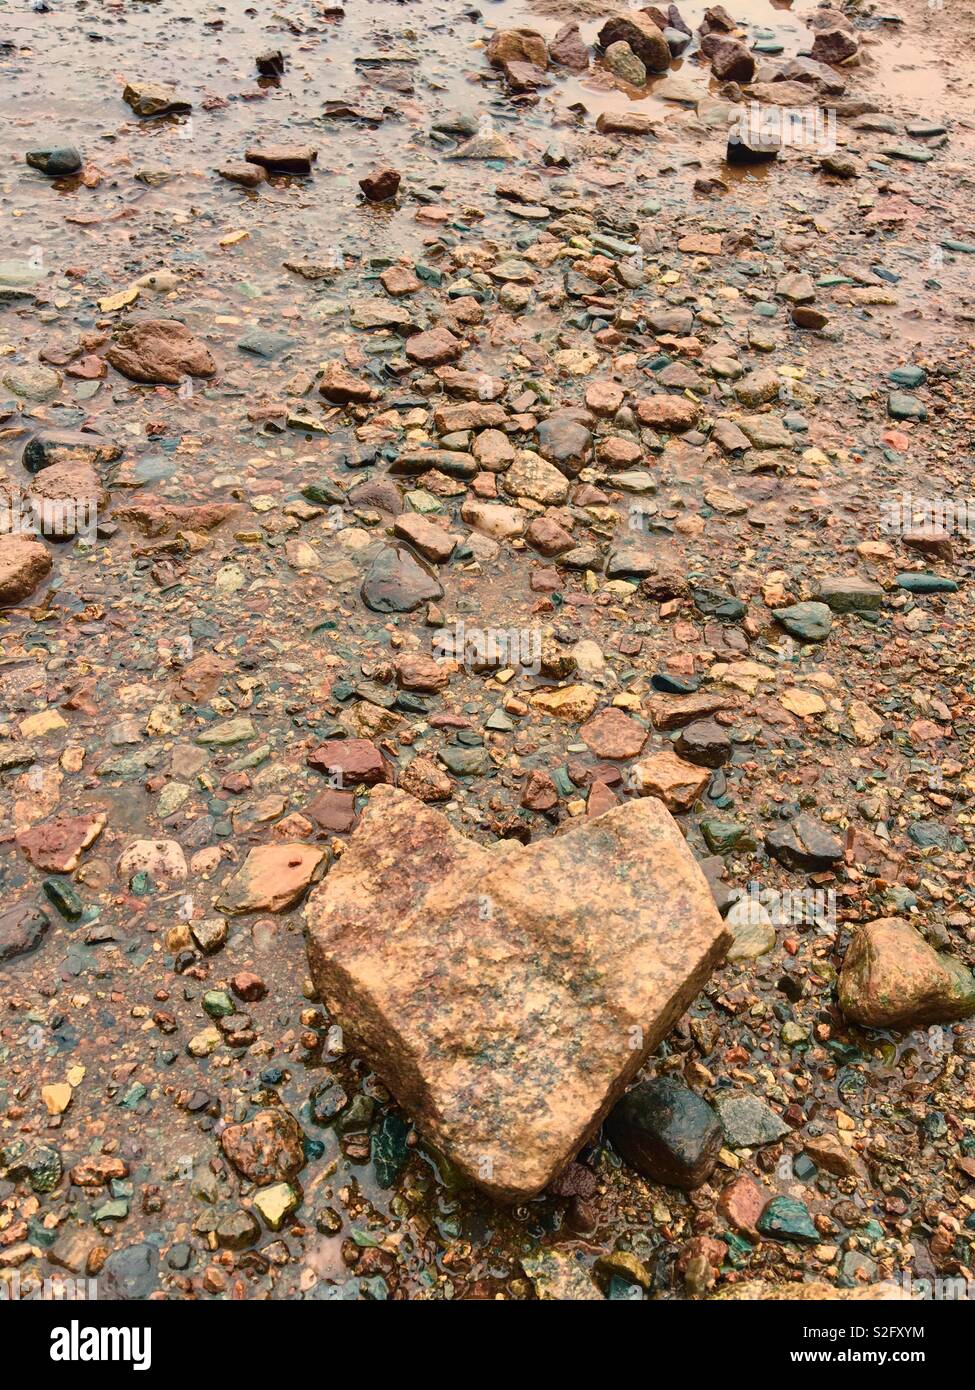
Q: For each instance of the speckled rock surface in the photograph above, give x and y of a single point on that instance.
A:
(507, 995)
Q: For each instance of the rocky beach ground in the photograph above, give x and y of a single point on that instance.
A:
(486, 680)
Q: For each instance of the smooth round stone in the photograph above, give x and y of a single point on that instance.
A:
(57, 161)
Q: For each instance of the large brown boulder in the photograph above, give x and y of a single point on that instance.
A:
(639, 31)
(507, 994)
(892, 978)
(24, 562)
(162, 351)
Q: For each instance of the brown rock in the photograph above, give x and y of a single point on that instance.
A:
(271, 879)
(247, 175)
(892, 978)
(98, 1169)
(472, 415)
(56, 845)
(161, 351)
(525, 77)
(676, 783)
(380, 185)
(828, 1153)
(417, 672)
(493, 450)
(267, 1148)
(431, 540)
(674, 711)
(349, 761)
(600, 799)
(23, 927)
(613, 734)
(569, 50)
(24, 562)
(157, 517)
(65, 500)
(436, 346)
(517, 45)
(283, 159)
(614, 452)
(154, 99)
(604, 397)
(540, 793)
(572, 702)
(638, 30)
(668, 412)
(341, 387)
(548, 537)
(480, 1024)
(625, 123)
(930, 540)
(834, 46)
(731, 60)
(333, 810)
(398, 281)
(425, 780)
(758, 1291)
(741, 1204)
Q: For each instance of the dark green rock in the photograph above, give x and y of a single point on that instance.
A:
(850, 595)
(909, 377)
(465, 762)
(57, 161)
(748, 1122)
(327, 1101)
(238, 1230)
(787, 1219)
(130, 1273)
(389, 1149)
(60, 893)
(901, 406)
(916, 583)
(810, 622)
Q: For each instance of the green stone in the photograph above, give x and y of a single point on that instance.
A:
(218, 1003)
(786, 1218)
(62, 896)
(916, 583)
(810, 622)
(389, 1149)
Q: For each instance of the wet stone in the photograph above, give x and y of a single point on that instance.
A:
(748, 1122)
(525, 1129)
(804, 843)
(666, 1132)
(399, 582)
(23, 927)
